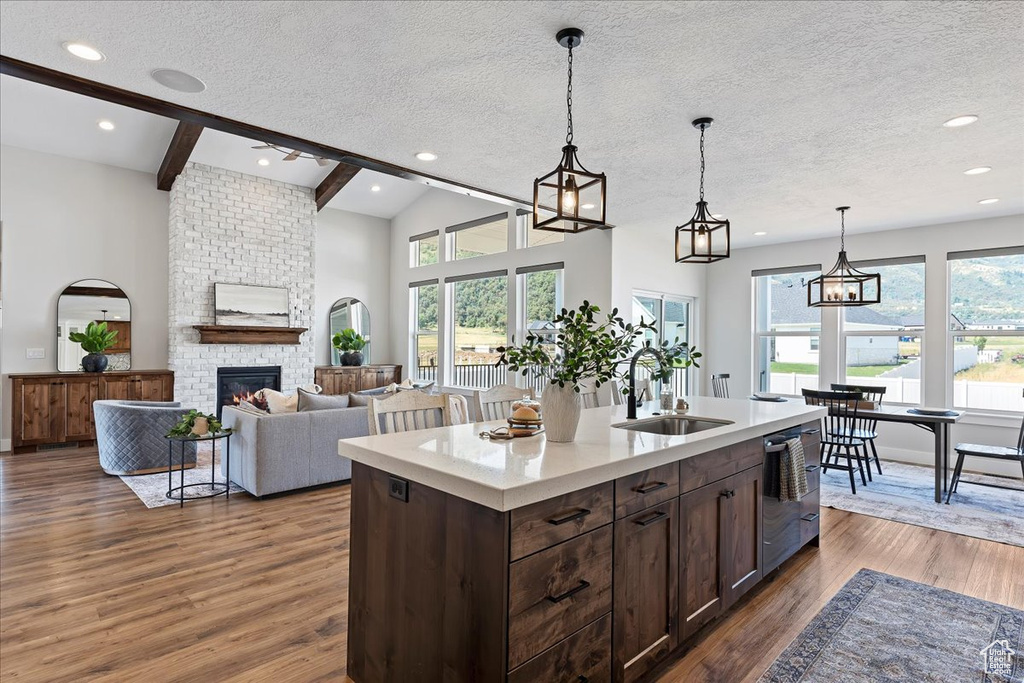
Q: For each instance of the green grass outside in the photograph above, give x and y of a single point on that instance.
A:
(808, 369)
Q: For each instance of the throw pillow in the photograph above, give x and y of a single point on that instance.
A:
(311, 401)
(359, 400)
(250, 408)
(278, 402)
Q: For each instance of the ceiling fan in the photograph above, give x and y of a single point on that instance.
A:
(293, 154)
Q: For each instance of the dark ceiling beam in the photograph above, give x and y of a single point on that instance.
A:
(186, 135)
(108, 93)
(332, 184)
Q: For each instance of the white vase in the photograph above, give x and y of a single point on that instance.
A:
(561, 406)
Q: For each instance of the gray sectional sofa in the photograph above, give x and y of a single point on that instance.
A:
(271, 453)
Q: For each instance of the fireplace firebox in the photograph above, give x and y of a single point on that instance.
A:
(239, 384)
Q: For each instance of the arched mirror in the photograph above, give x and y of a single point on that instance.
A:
(350, 312)
(89, 301)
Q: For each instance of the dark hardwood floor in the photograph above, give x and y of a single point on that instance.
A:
(95, 587)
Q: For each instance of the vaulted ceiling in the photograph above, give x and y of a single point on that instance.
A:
(816, 103)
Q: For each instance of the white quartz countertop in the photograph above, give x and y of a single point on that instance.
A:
(505, 475)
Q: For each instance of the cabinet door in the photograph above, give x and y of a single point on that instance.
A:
(350, 381)
(149, 388)
(701, 593)
(646, 604)
(39, 415)
(116, 388)
(80, 396)
(742, 535)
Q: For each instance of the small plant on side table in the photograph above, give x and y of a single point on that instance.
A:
(195, 423)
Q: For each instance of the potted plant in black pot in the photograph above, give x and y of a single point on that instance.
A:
(349, 344)
(95, 340)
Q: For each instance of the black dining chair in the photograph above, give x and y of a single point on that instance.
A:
(837, 425)
(993, 453)
(867, 428)
(720, 385)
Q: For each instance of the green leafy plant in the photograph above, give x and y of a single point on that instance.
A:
(348, 340)
(96, 338)
(188, 421)
(590, 347)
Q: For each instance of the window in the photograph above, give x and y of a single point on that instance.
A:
(537, 238)
(423, 249)
(479, 325)
(986, 326)
(479, 237)
(423, 304)
(541, 295)
(786, 331)
(671, 315)
(882, 343)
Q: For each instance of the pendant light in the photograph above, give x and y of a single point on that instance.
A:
(704, 238)
(570, 198)
(844, 285)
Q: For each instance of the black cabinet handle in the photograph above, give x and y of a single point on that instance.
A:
(651, 488)
(656, 517)
(810, 468)
(579, 514)
(810, 431)
(810, 517)
(569, 593)
(727, 494)
(582, 679)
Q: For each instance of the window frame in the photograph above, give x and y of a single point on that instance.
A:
(452, 231)
(522, 274)
(414, 248)
(757, 334)
(448, 339)
(415, 331)
(690, 375)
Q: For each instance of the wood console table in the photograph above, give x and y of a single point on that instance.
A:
(342, 379)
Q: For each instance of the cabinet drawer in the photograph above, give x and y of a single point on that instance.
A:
(707, 468)
(584, 657)
(642, 490)
(810, 516)
(552, 521)
(554, 593)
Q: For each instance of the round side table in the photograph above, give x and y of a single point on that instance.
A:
(216, 487)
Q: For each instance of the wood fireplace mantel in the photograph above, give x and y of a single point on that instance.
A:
(248, 334)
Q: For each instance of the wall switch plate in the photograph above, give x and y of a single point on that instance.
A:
(398, 489)
(35, 354)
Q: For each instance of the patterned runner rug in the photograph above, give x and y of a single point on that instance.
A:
(905, 493)
(880, 628)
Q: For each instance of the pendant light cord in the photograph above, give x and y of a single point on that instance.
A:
(568, 102)
(842, 231)
(702, 163)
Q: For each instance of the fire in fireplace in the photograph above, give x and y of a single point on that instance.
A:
(235, 385)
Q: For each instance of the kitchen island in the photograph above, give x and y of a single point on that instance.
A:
(478, 560)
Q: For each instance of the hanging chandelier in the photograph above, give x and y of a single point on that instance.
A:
(570, 198)
(704, 238)
(844, 285)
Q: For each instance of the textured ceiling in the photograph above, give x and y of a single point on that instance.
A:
(816, 103)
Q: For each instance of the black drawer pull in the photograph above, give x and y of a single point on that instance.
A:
(727, 494)
(582, 679)
(579, 514)
(810, 468)
(810, 517)
(651, 488)
(810, 431)
(656, 517)
(569, 593)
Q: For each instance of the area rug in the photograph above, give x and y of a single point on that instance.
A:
(880, 628)
(905, 493)
(152, 488)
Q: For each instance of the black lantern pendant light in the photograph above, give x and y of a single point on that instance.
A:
(570, 198)
(844, 285)
(704, 238)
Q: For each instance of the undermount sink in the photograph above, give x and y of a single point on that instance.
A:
(673, 425)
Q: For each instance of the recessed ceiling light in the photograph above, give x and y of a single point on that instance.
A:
(958, 121)
(375, 188)
(586, 206)
(761, 233)
(263, 162)
(978, 171)
(86, 52)
(178, 80)
(426, 156)
(117, 317)
(106, 125)
(993, 200)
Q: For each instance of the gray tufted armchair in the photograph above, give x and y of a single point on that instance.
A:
(130, 436)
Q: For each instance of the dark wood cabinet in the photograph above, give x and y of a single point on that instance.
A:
(56, 408)
(741, 536)
(123, 343)
(646, 604)
(344, 379)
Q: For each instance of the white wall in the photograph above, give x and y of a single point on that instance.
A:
(352, 260)
(587, 257)
(66, 220)
(729, 319)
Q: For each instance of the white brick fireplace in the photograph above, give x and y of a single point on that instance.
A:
(236, 228)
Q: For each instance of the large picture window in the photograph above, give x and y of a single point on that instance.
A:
(478, 326)
(481, 237)
(986, 327)
(786, 331)
(541, 295)
(882, 343)
(423, 249)
(672, 315)
(423, 304)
